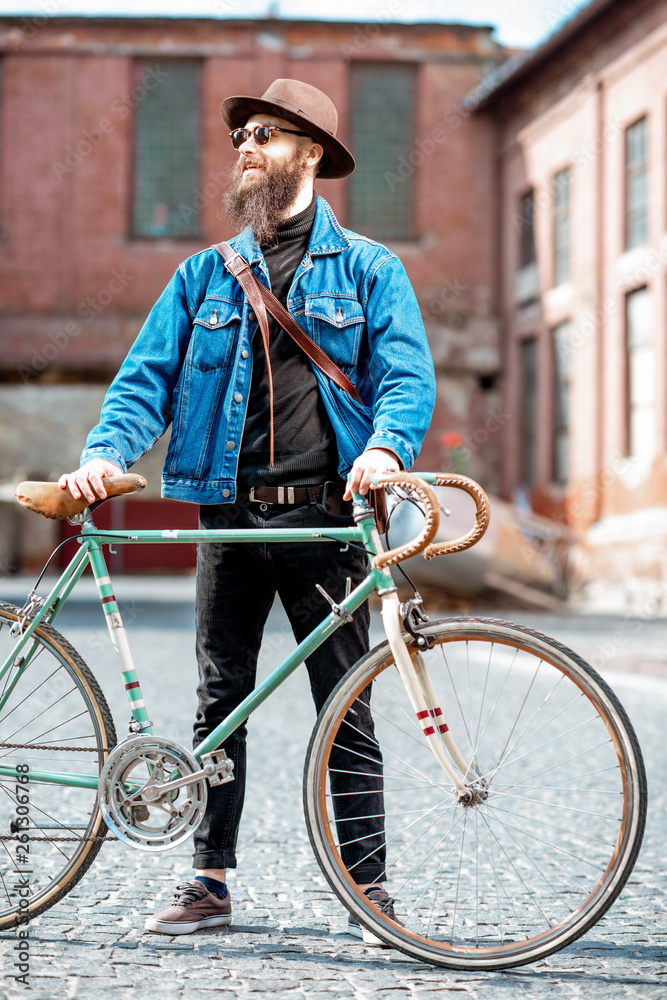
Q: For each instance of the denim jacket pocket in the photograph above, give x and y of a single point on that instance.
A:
(336, 322)
(215, 330)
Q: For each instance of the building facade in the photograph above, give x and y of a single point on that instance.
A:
(581, 250)
(114, 161)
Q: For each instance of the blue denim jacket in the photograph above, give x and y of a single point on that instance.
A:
(192, 361)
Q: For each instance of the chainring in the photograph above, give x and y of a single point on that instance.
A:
(130, 805)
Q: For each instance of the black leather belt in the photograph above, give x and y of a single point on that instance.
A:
(330, 495)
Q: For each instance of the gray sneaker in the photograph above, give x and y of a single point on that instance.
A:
(383, 901)
(193, 907)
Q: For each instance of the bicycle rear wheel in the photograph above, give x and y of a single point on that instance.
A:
(53, 717)
(559, 810)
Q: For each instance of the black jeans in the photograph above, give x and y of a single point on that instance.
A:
(236, 586)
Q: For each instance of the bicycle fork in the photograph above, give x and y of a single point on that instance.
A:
(421, 693)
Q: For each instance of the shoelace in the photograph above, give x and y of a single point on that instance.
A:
(386, 905)
(189, 893)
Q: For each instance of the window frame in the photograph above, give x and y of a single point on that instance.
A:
(632, 171)
(528, 456)
(561, 220)
(359, 224)
(138, 67)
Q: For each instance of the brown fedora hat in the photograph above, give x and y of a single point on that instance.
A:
(305, 106)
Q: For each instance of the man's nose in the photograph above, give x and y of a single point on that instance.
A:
(249, 146)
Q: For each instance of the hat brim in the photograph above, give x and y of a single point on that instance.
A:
(235, 112)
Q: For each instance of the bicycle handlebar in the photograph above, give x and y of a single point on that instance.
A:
(422, 543)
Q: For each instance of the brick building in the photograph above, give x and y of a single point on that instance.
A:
(581, 264)
(114, 159)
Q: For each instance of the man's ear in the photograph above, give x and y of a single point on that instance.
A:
(315, 156)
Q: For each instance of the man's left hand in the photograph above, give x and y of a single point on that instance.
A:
(369, 463)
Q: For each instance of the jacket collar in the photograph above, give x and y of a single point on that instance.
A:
(326, 236)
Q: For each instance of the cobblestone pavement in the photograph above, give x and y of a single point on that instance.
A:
(288, 938)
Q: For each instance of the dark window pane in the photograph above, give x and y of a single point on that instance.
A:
(167, 145)
(641, 375)
(528, 411)
(636, 199)
(561, 225)
(381, 138)
(527, 253)
(561, 348)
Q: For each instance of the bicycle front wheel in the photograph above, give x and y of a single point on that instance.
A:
(559, 808)
(53, 719)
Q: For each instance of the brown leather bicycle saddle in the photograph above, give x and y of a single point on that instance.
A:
(49, 500)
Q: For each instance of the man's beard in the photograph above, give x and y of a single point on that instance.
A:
(262, 202)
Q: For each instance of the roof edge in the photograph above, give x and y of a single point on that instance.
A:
(516, 69)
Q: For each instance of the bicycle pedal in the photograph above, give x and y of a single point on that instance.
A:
(217, 767)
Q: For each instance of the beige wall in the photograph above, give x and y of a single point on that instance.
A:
(574, 112)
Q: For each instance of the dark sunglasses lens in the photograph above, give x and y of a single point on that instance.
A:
(239, 136)
(262, 135)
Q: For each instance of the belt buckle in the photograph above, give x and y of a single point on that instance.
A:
(285, 496)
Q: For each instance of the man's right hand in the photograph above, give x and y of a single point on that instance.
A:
(88, 480)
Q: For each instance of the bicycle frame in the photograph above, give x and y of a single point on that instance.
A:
(378, 581)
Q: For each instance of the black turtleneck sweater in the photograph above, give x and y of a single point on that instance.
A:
(305, 443)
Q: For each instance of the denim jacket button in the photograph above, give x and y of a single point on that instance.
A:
(226, 493)
(252, 317)
(230, 445)
(244, 354)
(238, 398)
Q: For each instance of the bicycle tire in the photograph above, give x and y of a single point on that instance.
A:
(523, 872)
(56, 703)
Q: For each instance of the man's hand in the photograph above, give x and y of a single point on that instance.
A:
(369, 463)
(88, 480)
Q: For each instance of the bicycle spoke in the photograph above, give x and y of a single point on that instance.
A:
(521, 866)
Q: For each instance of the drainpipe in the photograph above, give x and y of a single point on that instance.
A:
(599, 231)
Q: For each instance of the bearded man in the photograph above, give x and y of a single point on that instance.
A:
(252, 462)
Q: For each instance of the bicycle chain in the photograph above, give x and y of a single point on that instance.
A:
(59, 840)
(48, 746)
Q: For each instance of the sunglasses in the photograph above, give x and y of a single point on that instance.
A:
(260, 133)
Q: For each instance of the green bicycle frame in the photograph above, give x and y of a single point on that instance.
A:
(90, 552)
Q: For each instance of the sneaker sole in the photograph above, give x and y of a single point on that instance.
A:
(356, 930)
(183, 927)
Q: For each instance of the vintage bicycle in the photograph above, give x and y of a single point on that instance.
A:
(512, 785)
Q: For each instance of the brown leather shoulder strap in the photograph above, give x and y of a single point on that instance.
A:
(237, 266)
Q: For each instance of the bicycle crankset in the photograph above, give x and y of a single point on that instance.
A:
(153, 791)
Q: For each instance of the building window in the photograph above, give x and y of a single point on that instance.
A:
(561, 348)
(560, 192)
(636, 205)
(641, 375)
(167, 145)
(381, 189)
(527, 253)
(528, 411)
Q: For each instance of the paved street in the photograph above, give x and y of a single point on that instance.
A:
(288, 938)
